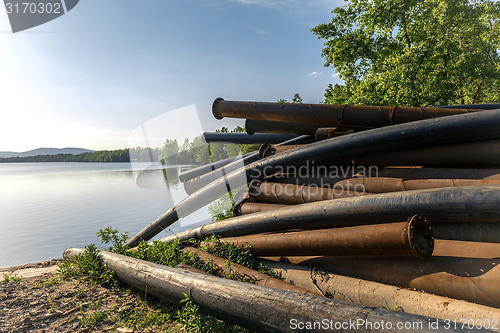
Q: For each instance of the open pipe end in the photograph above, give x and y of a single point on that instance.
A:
(419, 237)
(237, 207)
(214, 108)
(263, 149)
(254, 188)
(249, 132)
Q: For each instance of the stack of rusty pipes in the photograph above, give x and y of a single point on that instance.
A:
(434, 193)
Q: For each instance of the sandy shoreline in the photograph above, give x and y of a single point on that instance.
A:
(32, 269)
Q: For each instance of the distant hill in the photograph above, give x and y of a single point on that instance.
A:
(45, 151)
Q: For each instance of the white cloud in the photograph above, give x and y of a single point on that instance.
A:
(315, 74)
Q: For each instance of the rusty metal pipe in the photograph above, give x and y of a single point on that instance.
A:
(492, 106)
(413, 237)
(468, 154)
(246, 207)
(375, 294)
(255, 307)
(244, 138)
(290, 194)
(476, 126)
(458, 276)
(320, 178)
(278, 127)
(243, 272)
(472, 232)
(328, 115)
(450, 205)
(384, 185)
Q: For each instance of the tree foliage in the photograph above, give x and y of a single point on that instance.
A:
(413, 52)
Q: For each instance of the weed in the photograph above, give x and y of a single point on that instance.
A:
(396, 307)
(88, 265)
(94, 318)
(15, 278)
(119, 242)
(49, 283)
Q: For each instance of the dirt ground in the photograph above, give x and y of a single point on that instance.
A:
(40, 302)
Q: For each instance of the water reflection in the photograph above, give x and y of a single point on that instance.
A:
(45, 210)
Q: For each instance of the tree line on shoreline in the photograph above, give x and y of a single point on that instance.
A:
(193, 153)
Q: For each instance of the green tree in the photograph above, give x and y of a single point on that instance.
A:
(413, 52)
(297, 99)
(169, 151)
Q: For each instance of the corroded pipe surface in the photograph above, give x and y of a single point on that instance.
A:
(244, 138)
(328, 115)
(457, 276)
(472, 232)
(248, 207)
(247, 305)
(330, 132)
(258, 278)
(321, 177)
(278, 127)
(384, 185)
(375, 294)
(478, 154)
(290, 194)
(477, 126)
(407, 238)
(477, 204)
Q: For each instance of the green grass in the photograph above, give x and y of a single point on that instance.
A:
(88, 267)
(15, 279)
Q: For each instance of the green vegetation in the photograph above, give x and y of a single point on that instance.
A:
(295, 99)
(413, 53)
(15, 279)
(168, 317)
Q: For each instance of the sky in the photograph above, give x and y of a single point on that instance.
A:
(109, 69)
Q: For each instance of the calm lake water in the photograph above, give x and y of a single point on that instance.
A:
(48, 207)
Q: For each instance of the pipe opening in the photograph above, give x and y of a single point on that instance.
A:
(420, 238)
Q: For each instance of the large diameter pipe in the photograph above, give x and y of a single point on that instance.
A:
(251, 306)
(407, 238)
(472, 232)
(449, 205)
(477, 126)
(328, 115)
(278, 127)
(290, 194)
(246, 207)
(244, 138)
(196, 183)
(320, 177)
(491, 106)
(467, 154)
(384, 185)
(457, 276)
(348, 289)
(243, 272)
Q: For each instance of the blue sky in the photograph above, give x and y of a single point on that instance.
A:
(92, 76)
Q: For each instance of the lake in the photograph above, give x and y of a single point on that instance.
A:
(48, 207)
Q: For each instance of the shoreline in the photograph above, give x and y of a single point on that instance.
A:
(31, 269)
